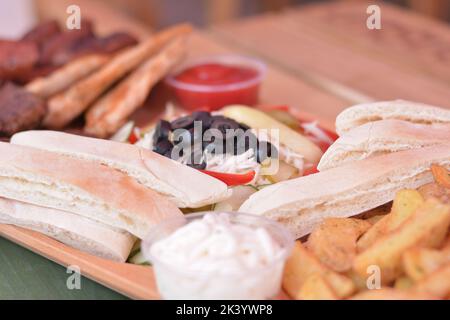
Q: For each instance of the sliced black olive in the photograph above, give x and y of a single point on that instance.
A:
(204, 117)
(163, 147)
(214, 147)
(185, 122)
(162, 131)
(244, 126)
(196, 160)
(196, 135)
(182, 137)
(246, 141)
(218, 117)
(224, 124)
(199, 166)
(266, 150)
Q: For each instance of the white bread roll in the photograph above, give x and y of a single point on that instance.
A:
(185, 186)
(398, 109)
(83, 187)
(76, 231)
(302, 203)
(381, 137)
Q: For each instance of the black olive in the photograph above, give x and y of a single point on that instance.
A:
(218, 117)
(199, 166)
(185, 122)
(204, 117)
(266, 150)
(244, 126)
(162, 131)
(224, 124)
(196, 135)
(163, 147)
(246, 141)
(214, 147)
(182, 137)
(196, 160)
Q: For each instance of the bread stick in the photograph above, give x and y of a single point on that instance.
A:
(111, 111)
(68, 105)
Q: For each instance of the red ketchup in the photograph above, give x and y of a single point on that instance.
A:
(213, 85)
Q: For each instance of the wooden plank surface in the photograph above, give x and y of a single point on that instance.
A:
(131, 280)
(329, 45)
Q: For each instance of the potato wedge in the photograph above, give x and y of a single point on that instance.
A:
(374, 219)
(419, 262)
(302, 264)
(292, 139)
(333, 242)
(434, 190)
(436, 284)
(403, 283)
(391, 294)
(359, 282)
(427, 226)
(405, 203)
(375, 232)
(441, 175)
(316, 288)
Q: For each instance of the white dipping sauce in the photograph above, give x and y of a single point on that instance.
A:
(214, 258)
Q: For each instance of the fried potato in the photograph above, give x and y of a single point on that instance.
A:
(434, 190)
(316, 288)
(441, 175)
(403, 283)
(405, 203)
(375, 232)
(302, 264)
(427, 226)
(436, 284)
(419, 262)
(359, 282)
(391, 294)
(333, 242)
(374, 219)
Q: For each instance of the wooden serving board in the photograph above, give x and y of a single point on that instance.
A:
(131, 280)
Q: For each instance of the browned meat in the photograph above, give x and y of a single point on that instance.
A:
(58, 49)
(36, 72)
(109, 44)
(17, 58)
(117, 41)
(42, 32)
(19, 110)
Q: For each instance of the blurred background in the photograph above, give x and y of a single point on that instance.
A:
(203, 12)
(19, 15)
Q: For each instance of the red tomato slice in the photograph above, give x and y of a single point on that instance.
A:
(133, 138)
(231, 179)
(309, 171)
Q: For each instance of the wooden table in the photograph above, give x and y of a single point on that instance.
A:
(321, 58)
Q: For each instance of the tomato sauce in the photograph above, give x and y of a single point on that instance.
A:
(211, 86)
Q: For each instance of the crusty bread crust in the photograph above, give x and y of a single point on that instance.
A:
(82, 187)
(382, 137)
(185, 186)
(345, 191)
(76, 231)
(398, 109)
